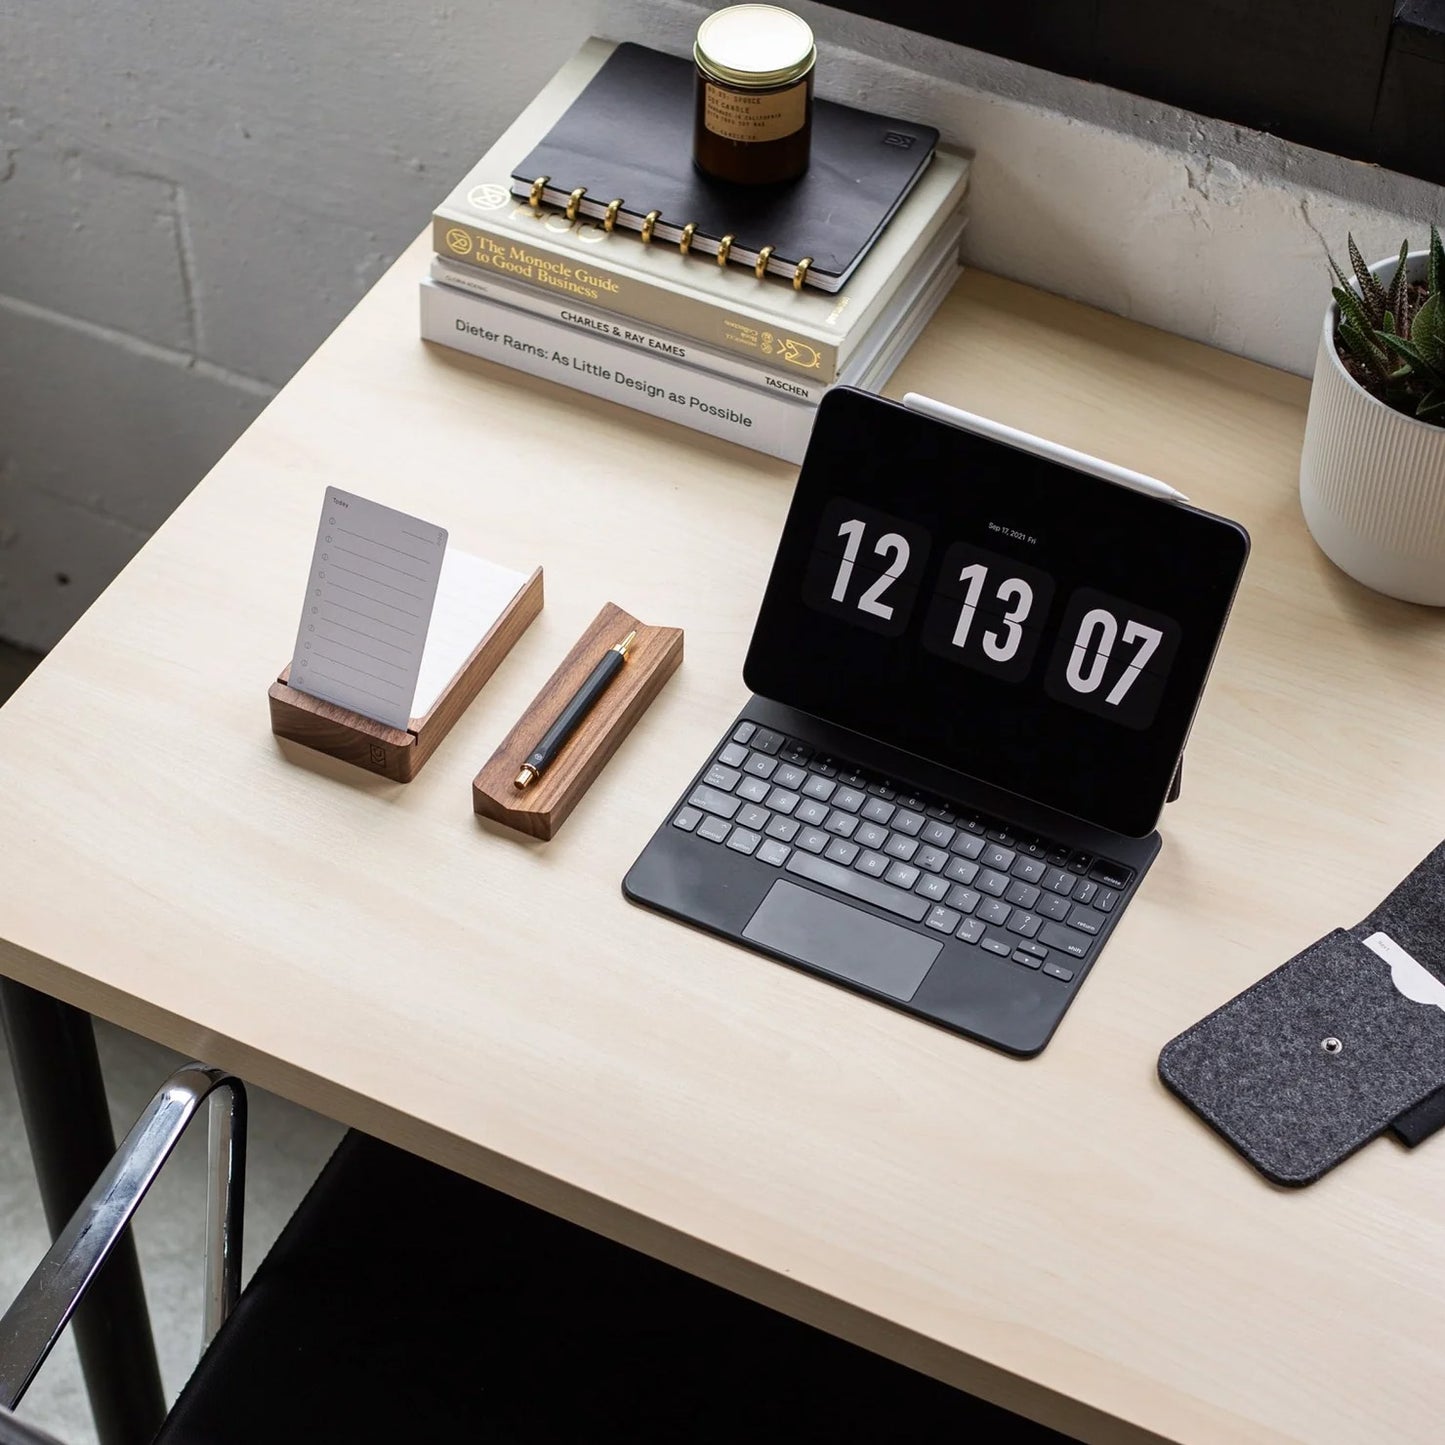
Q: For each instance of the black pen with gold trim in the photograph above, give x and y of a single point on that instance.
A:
(581, 703)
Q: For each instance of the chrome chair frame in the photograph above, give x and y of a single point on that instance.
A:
(48, 1299)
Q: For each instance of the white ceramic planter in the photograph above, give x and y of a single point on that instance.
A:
(1372, 480)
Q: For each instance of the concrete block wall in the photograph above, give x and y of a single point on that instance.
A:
(193, 193)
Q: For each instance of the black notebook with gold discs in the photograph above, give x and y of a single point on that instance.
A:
(628, 138)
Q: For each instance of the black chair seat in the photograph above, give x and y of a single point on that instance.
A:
(406, 1304)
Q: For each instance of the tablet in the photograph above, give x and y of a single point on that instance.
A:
(1002, 613)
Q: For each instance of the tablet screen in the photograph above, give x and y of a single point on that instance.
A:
(1034, 626)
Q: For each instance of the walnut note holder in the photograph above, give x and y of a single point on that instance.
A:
(392, 752)
(541, 809)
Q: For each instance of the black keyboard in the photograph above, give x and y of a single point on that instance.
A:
(935, 866)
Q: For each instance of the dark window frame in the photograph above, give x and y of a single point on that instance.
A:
(1358, 78)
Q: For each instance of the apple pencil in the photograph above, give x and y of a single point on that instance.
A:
(1040, 447)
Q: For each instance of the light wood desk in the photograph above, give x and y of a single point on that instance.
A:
(1059, 1235)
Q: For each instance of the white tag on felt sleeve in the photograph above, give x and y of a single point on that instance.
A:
(1411, 978)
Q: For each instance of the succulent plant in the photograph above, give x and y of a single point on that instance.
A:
(1391, 336)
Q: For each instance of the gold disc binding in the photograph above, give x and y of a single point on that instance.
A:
(648, 222)
(538, 186)
(575, 200)
(724, 250)
(684, 243)
(761, 268)
(800, 271)
(610, 219)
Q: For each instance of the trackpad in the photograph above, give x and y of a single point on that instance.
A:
(842, 940)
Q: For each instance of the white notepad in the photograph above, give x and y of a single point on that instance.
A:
(391, 612)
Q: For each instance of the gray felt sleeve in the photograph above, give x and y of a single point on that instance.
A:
(1259, 1070)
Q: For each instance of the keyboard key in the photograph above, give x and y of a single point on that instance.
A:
(1027, 959)
(961, 870)
(687, 819)
(773, 852)
(712, 801)
(743, 840)
(1058, 971)
(945, 920)
(900, 847)
(858, 885)
(849, 799)
(1029, 869)
(963, 899)
(1080, 862)
(967, 846)
(810, 810)
(902, 875)
(1024, 923)
(718, 776)
(1105, 899)
(813, 839)
(997, 856)
(913, 801)
(882, 788)
(990, 882)
(1086, 920)
(840, 850)
(906, 821)
(873, 864)
(939, 834)
(871, 835)
(790, 777)
(780, 800)
(795, 752)
(1084, 893)
(819, 787)
(853, 778)
(766, 741)
(1111, 875)
(754, 790)
(713, 829)
(733, 756)
(971, 930)
(1032, 847)
(1052, 906)
(1002, 835)
(783, 829)
(876, 810)
(1058, 856)
(752, 816)
(826, 766)
(944, 815)
(934, 887)
(841, 824)
(1055, 935)
(1056, 880)
(760, 765)
(1000, 946)
(994, 910)
(744, 731)
(1024, 894)
(1037, 950)
(971, 823)
(930, 858)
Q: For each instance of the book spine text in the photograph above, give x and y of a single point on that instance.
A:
(534, 262)
(655, 340)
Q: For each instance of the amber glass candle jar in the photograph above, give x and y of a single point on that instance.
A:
(754, 118)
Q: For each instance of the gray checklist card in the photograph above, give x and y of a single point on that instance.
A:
(369, 598)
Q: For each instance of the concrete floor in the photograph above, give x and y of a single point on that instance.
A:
(287, 1147)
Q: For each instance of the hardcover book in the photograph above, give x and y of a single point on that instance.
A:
(804, 333)
(628, 138)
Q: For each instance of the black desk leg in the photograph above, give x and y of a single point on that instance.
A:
(67, 1119)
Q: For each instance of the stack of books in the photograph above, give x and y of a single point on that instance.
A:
(585, 248)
